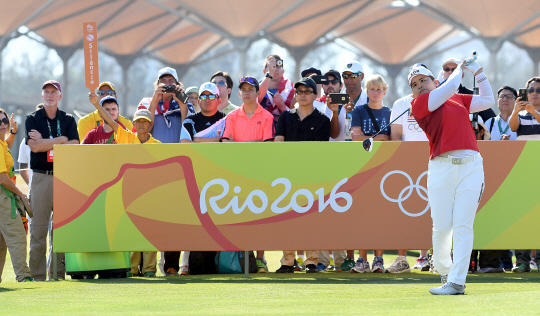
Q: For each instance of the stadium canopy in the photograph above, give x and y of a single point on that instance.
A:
(181, 32)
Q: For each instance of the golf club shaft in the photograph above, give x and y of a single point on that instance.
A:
(382, 129)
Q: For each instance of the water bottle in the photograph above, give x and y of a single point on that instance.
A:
(348, 119)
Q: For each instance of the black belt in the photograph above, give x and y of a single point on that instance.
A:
(49, 172)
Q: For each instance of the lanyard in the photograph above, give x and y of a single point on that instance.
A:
(58, 131)
(500, 127)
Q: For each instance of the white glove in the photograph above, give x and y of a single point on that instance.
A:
(471, 65)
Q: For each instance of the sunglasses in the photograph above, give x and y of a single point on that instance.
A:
(532, 90)
(220, 83)
(5, 121)
(305, 92)
(210, 97)
(506, 96)
(249, 80)
(352, 76)
(333, 81)
(106, 92)
(449, 69)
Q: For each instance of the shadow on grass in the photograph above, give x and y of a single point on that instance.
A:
(3, 289)
(323, 278)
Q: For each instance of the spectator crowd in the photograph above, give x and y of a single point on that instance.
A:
(274, 109)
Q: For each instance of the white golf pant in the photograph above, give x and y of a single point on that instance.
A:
(454, 192)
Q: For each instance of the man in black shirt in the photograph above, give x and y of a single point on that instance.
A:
(304, 123)
(208, 124)
(45, 128)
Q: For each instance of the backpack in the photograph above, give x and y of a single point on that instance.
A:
(202, 262)
(233, 262)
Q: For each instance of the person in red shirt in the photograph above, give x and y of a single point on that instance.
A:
(104, 134)
(455, 171)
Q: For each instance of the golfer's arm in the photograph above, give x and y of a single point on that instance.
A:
(438, 96)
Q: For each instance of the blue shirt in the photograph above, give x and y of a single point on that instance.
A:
(360, 117)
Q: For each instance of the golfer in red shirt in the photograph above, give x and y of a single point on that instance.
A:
(455, 172)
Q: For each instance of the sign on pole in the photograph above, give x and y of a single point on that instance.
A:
(91, 68)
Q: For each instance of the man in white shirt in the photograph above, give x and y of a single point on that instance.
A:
(498, 126)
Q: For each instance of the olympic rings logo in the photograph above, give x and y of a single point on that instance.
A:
(407, 191)
(414, 126)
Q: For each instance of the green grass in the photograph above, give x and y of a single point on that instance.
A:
(299, 293)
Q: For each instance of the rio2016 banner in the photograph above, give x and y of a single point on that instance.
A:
(272, 196)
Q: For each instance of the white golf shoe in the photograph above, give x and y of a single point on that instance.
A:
(448, 289)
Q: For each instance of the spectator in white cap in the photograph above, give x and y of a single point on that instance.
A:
(448, 68)
(353, 74)
(170, 110)
(455, 171)
(193, 97)
(207, 125)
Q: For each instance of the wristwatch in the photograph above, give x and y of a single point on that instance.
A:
(268, 76)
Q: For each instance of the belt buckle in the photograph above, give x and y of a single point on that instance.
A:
(457, 161)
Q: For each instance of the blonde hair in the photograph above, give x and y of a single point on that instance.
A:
(377, 80)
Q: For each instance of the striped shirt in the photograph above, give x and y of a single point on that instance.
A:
(528, 125)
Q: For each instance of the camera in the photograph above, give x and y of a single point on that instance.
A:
(169, 88)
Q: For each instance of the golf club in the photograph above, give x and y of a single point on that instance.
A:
(368, 143)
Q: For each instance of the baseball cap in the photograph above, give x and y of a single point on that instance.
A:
(106, 83)
(142, 113)
(108, 98)
(210, 87)
(144, 103)
(167, 71)
(310, 70)
(354, 67)
(333, 72)
(452, 60)
(250, 80)
(192, 89)
(308, 83)
(418, 71)
(53, 83)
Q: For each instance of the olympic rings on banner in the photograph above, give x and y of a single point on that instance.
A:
(407, 191)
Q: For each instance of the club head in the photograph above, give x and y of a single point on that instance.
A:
(368, 144)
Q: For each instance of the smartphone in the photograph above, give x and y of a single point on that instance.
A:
(182, 97)
(523, 94)
(320, 79)
(339, 98)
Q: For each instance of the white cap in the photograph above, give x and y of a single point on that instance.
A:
(418, 71)
(167, 71)
(210, 87)
(452, 60)
(353, 66)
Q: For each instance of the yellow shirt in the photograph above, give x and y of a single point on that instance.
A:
(93, 120)
(6, 160)
(128, 137)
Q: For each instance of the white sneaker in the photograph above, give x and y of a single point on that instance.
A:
(400, 265)
(448, 289)
(362, 266)
(420, 263)
(533, 264)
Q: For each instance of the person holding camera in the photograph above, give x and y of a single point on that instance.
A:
(526, 117)
(276, 92)
(455, 180)
(170, 110)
